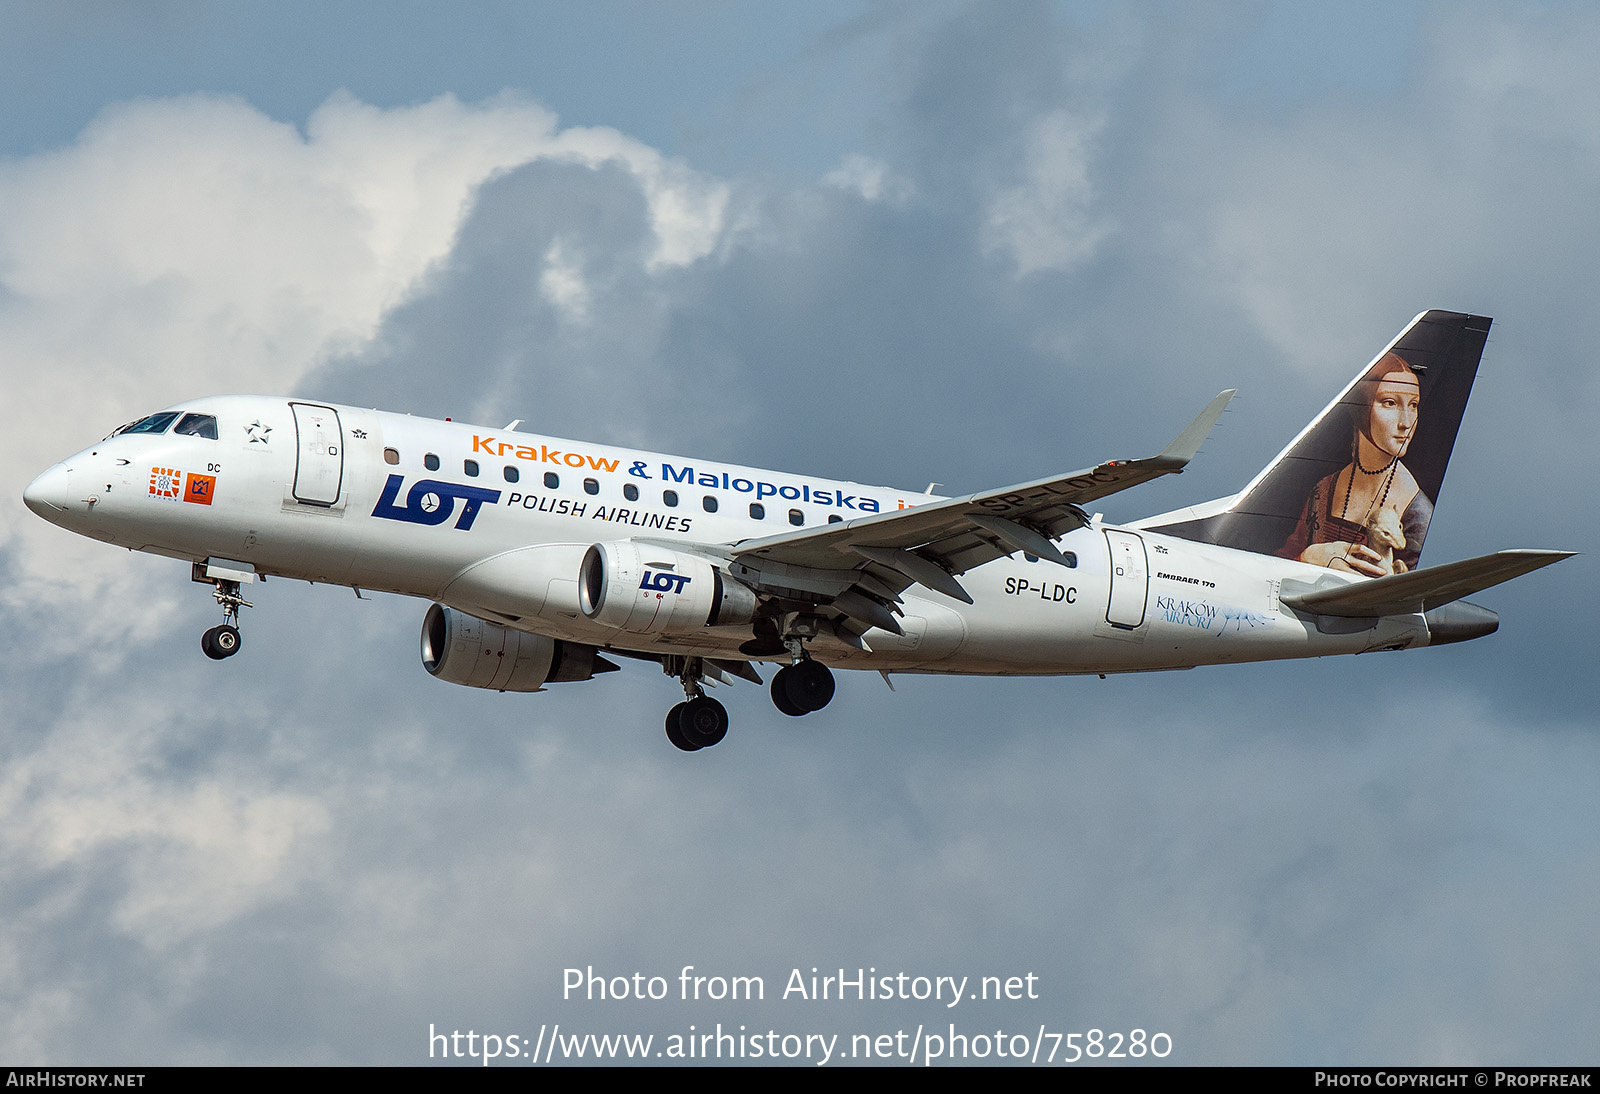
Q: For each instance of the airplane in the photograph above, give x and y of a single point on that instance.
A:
(543, 556)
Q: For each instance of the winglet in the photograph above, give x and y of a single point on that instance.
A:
(1186, 444)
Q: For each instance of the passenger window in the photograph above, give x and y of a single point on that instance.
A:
(551, 480)
(511, 474)
(709, 503)
(669, 498)
(834, 518)
(590, 486)
(197, 425)
(470, 467)
(630, 491)
(431, 462)
(758, 511)
(796, 518)
(1071, 557)
(391, 456)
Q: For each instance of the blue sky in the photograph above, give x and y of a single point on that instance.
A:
(694, 78)
(887, 242)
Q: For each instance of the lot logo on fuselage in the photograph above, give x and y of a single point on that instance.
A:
(663, 582)
(431, 502)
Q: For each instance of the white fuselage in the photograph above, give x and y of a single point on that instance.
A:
(501, 520)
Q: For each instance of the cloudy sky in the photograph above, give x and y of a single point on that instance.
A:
(893, 242)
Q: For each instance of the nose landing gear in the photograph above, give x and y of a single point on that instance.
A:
(224, 641)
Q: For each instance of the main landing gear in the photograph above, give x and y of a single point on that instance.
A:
(699, 721)
(222, 642)
(802, 687)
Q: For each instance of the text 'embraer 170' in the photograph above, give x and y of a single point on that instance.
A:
(542, 555)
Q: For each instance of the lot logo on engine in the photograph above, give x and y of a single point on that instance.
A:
(663, 583)
(432, 502)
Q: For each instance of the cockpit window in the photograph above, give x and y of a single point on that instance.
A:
(156, 423)
(198, 425)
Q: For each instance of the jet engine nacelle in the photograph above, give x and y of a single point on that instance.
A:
(656, 590)
(463, 649)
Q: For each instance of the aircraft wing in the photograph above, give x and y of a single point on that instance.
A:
(1420, 590)
(929, 544)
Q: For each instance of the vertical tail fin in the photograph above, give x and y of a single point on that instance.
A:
(1356, 489)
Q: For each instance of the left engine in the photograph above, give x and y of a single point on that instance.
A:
(463, 649)
(656, 590)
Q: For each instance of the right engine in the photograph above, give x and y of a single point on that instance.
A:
(463, 649)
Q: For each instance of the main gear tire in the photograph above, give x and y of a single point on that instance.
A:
(808, 686)
(780, 693)
(703, 721)
(675, 729)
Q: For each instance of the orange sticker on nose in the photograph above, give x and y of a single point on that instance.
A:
(198, 488)
(163, 482)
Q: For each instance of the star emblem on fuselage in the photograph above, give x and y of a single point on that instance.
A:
(258, 432)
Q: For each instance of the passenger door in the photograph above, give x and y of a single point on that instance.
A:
(319, 458)
(1130, 580)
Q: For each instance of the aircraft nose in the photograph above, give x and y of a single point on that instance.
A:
(47, 495)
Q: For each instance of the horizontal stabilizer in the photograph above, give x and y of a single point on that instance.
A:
(1417, 591)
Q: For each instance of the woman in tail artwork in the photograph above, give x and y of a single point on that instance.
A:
(1370, 517)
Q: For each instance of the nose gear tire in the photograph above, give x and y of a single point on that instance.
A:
(220, 642)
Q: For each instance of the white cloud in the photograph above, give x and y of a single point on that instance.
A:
(1047, 220)
(1478, 182)
(188, 854)
(868, 177)
(191, 240)
(192, 245)
(562, 282)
